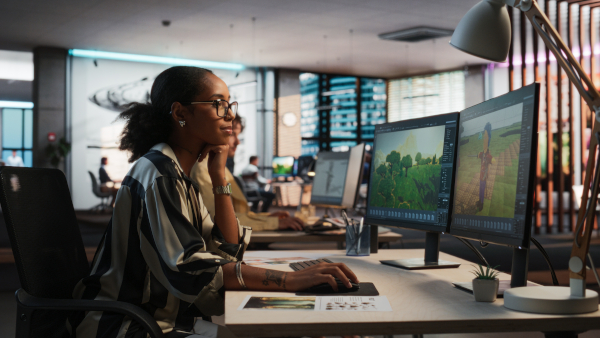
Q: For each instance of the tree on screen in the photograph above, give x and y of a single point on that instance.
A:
(433, 162)
(393, 159)
(418, 157)
(407, 162)
(382, 170)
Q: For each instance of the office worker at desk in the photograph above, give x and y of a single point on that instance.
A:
(161, 250)
(280, 220)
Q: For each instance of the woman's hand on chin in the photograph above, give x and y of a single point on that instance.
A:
(217, 157)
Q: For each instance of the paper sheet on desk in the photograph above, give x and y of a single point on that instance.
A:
(312, 303)
(352, 303)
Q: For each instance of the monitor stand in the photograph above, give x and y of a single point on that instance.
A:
(431, 261)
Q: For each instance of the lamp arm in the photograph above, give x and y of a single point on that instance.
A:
(580, 79)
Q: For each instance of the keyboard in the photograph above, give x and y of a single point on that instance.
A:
(324, 288)
(305, 264)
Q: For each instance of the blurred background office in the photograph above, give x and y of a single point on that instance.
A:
(309, 77)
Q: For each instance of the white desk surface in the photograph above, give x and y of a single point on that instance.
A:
(423, 302)
(301, 236)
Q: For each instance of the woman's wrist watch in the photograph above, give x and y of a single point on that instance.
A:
(222, 189)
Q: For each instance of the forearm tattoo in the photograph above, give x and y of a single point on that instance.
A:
(277, 277)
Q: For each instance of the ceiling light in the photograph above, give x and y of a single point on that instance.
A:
(416, 34)
(16, 104)
(154, 59)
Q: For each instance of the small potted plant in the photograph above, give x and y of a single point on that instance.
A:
(485, 284)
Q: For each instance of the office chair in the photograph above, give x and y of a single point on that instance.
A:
(49, 254)
(254, 200)
(103, 206)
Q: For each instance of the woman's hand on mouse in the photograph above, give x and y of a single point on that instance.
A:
(319, 274)
(217, 157)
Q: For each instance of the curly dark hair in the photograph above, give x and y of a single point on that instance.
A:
(150, 123)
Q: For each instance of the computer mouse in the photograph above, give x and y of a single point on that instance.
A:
(325, 288)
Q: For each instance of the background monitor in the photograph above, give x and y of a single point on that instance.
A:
(496, 158)
(337, 176)
(283, 166)
(302, 165)
(411, 180)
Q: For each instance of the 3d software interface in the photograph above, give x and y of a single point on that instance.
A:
(411, 175)
(493, 165)
(330, 177)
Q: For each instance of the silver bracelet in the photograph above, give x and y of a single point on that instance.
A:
(238, 273)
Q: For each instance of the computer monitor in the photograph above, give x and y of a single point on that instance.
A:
(337, 176)
(302, 166)
(283, 166)
(497, 152)
(411, 181)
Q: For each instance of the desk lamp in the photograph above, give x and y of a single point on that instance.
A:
(485, 32)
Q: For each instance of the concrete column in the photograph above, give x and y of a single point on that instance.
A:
(265, 96)
(49, 99)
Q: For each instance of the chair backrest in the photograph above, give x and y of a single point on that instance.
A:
(240, 184)
(95, 186)
(43, 231)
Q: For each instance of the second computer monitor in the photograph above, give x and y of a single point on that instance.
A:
(337, 176)
(495, 169)
(411, 175)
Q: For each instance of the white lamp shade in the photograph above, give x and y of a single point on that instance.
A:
(484, 31)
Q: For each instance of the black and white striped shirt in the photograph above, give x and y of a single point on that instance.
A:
(161, 251)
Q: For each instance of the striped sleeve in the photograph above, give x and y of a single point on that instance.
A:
(215, 241)
(176, 253)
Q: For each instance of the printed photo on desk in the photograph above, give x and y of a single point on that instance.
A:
(279, 303)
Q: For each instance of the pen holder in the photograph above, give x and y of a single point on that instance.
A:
(358, 239)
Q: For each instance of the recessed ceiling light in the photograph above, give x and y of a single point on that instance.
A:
(416, 34)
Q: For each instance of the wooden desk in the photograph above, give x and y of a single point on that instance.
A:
(423, 302)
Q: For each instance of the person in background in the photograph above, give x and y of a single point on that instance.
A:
(106, 183)
(252, 167)
(14, 160)
(161, 250)
(254, 185)
(258, 222)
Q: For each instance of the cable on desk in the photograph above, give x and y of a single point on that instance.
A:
(594, 268)
(547, 258)
(474, 249)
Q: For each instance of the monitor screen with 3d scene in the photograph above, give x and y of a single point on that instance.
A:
(283, 166)
(495, 168)
(337, 176)
(411, 181)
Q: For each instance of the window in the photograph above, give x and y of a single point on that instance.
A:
(427, 95)
(339, 112)
(17, 134)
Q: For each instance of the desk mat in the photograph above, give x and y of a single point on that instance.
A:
(366, 289)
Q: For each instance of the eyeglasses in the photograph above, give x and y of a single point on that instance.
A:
(222, 106)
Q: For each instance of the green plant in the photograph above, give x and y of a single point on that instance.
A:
(489, 272)
(57, 152)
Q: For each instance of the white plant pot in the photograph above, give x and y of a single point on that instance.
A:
(485, 290)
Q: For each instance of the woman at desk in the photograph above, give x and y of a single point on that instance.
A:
(161, 250)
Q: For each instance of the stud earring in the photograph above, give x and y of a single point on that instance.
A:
(182, 123)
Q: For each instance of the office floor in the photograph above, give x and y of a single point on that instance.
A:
(558, 247)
